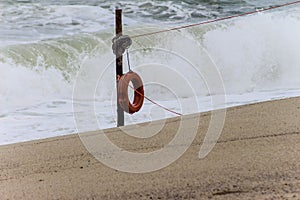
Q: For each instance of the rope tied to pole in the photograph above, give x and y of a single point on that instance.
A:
(138, 89)
(123, 42)
(159, 105)
(120, 44)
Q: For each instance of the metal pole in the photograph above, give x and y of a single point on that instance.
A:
(119, 66)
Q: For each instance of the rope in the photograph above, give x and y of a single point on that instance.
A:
(152, 101)
(128, 61)
(159, 105)
(217, 20)
(198, 24)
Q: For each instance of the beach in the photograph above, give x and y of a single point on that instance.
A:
(202, 63)
(256, 157)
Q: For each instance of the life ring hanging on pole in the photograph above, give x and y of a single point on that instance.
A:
(124, 100)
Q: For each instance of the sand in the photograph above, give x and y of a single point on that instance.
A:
(256, 157)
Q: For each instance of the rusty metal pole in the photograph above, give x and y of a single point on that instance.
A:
(119, 66)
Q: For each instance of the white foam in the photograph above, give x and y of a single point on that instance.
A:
(23, 87)
(258, 52)
(257, 57)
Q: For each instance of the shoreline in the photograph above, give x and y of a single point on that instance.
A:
(169, 119)
(257, 156)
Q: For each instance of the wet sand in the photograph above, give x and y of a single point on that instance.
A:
(256, 157)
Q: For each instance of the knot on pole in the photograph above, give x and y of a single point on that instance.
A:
(120, 44)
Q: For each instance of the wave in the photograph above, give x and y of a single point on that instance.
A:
(253, 53)
(256, 58)
(33, 20)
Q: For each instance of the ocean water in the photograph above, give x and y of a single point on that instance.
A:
(54, 53)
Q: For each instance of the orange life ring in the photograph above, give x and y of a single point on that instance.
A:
(123, 99)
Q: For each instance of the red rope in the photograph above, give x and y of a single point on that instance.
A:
(167, 109)
(202, 23)
(217, 20)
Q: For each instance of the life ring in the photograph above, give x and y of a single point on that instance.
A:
(123, 99)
